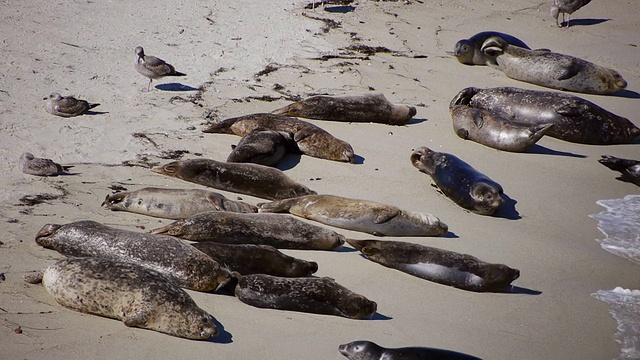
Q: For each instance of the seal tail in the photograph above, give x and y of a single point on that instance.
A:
(91, 106)
(464, 97)
(35, 277)
(223, 127)
(617, 164)
(111, 199)
(494, 46)
(276, 206)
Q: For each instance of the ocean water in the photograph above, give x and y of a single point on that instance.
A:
(620, 223)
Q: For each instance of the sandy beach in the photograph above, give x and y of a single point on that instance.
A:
(244, 57)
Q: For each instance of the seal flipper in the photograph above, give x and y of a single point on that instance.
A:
(385, 215)
(463, 134)
(35, 277)
(277, 206)
(136, 319)
(569, 68)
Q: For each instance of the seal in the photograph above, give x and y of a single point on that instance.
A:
(630, 169)
(67, 106)
(32, 165)
(153, 67)
(250, 179)
(277, 230)
(139, 296)
(305, 294)
(490, 129)
(469, 51)
(367, 350)
(566, 7)
(370, 107)
(247, 259)
(459, 181)
(310, 139)
(190, 267)
(441, 266)
(173, 203)
(359, 215)
(552, 70)
(262, 146)
(574, 119)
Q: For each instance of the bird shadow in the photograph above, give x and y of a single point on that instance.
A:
(585, 22)
(541, 150)
(508, 209)
(343, 9)
(92, 112)
(629, 94)
(175, 87)
(223, 336)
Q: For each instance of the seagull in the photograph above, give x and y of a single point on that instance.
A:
(566, 7)
(153, 67)
(630, 169)
(67, 106)
(41, 167)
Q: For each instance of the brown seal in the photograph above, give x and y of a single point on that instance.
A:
(261, 146)
(190, 267)
(277, 230)
(310, 139)
(359, 215)
(469, 51)
(311, 295)
(367, 350)
(441, 266)
(251, 179)
(552, 70)
(67, 106)
(372, 107)
(629, 168)
(139, 296)
(173, 203)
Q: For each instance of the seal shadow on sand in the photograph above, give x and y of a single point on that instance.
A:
(625, 93)
(508, 209)
(223, 336)
(416, 121)
(289, 161)
(175, 87)
(522, 291)
(542, 150)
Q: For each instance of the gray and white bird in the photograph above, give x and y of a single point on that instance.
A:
(153, 67)
(566, 7)
(41, 167)
(67, 106)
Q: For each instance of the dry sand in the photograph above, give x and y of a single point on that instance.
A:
(85, 48)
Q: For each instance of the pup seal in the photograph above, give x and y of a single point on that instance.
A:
(67, 106)
(441, 266)
(459, 181)
(359, 215)
(373, 108)
(367, 350)
(173, 203)
(574, 119)
(247, 259)
(153, 67)
(251, 179)
(468, 51)
(190, 267)
(490, 129)
(630, 169)
(32, 165)
(137, 295)
(310, 139)
(552, 70)
(306, 294)
(261, 146)
(279, 231)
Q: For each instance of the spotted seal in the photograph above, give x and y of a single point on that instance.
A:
(261, 146)
(139, 296)
(152, 67)
(469, 51)
(277, 230)
(310, 139)
(629, 168)
(441, 266)
(173, 203)
(574, 119)
(32, 165)
(67, 106)
(459, 181)
(368, 350)
(552, 70)
(359, 215)
(370, 107)
(250, 179)
(306, 294)
(491, 129)
(190, 267)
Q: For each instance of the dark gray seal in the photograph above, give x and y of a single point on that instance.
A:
(359, 215)
(459, 181)
(441, 266)
(190, 267)
(67, 106)
(139, 296)
(574, 119)
(552, 70)
(247, 259)
(279, 231)
(491, 129)
(630, 169)
(371, 107)
(367, 350)
(32, 165)
(173, 203)
(250, 179)
(262, 146)
(310, 139)
(153, 67)
(469, 51)
(567, 7)
(306, 294)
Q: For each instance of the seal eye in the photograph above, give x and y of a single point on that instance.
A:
(465, 48)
